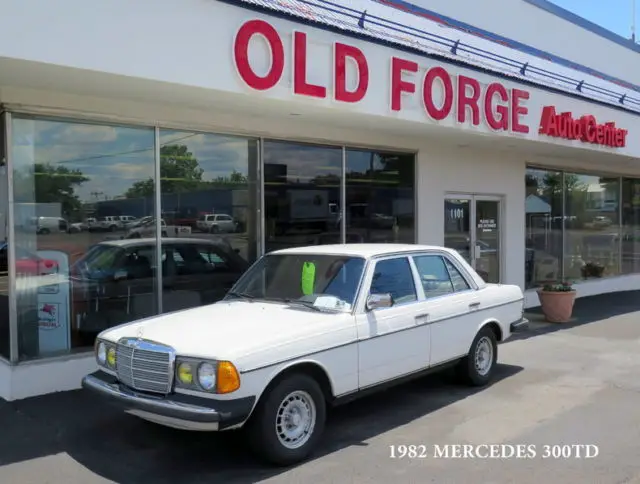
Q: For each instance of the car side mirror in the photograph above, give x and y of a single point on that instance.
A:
(377, 301)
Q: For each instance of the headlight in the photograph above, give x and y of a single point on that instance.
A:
(207, 376)
(111, 357)
(102, 353)
(210, 376)
(185, 374)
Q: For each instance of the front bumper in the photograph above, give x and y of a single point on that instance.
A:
(176, 410)
(520, 325)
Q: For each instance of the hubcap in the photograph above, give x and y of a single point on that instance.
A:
(296, 419)
(484, 356)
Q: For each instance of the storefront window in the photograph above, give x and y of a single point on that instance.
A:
(630, 226)
(380, 190)
(543, 245)
(301, 194)
(4, 266)
(77, 194)
(209, 215)
(592, 226)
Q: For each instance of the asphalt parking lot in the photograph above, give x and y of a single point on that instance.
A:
(558, 384)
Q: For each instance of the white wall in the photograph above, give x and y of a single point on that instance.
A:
(204, 60)
(521, 21)
(480, 172)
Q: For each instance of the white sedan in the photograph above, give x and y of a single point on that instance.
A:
(302, 330)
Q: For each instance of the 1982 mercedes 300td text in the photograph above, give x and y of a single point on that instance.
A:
(304, 329)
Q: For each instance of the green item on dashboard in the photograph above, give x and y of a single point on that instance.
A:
(308, 278)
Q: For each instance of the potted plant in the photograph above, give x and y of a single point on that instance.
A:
(592, 269)
(557, 301)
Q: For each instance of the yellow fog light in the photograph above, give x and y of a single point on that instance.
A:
(228, 377)
(185, 374)
(111, 357)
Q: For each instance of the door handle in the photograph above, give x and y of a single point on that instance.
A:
(422, 318)
(474, 305)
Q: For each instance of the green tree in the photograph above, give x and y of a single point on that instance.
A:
(50, 184)
(179, 172)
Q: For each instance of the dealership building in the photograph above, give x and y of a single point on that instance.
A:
(254, 125)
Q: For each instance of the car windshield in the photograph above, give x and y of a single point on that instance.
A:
(315, 280)
(100, 258)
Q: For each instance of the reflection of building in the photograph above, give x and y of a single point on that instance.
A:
(602, 198)
(145, 141)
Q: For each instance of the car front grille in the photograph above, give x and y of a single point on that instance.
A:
(144, 365)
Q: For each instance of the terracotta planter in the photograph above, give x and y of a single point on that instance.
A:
(557, 306)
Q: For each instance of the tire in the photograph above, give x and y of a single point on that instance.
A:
(214, 229)
(477, 374)
(113, 228)
(45, 231)
(295, 392)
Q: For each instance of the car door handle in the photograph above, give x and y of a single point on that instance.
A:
(474, 305)
(422, 318)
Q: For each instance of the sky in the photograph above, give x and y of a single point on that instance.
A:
(614, 15)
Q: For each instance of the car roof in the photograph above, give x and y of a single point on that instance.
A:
(361, 250)
(152, 240)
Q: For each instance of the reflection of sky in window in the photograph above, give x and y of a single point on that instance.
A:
(114, 158)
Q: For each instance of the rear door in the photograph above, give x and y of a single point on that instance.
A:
(452, 305)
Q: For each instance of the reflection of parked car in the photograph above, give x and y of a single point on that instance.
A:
(48, 225)
(115, 280)
(27, 262)
(148, 229)
(303, 329)
(214, 223)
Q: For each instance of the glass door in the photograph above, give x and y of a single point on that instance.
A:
(473, 228)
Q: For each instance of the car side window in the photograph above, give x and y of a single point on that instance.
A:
(458, 280)
(433, 275)
(394, 276)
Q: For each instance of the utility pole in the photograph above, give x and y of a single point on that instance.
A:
(633, 21)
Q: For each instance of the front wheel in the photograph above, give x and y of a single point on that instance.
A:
(288, 422)
(477, 368)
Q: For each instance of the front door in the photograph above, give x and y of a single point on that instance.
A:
(472, 226)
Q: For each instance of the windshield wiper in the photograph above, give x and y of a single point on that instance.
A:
(241, 295)
(306, 304)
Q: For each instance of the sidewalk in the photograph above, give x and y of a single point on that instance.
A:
(586, 310)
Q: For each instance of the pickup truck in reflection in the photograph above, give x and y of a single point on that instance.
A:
(116, 280)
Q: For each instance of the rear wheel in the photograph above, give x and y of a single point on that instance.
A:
(477, 368)
(289, 420)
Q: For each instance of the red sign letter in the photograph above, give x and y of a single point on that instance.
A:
(547, 121)
(517, 110)
(241, 54)
(398, 86)
(465, 100)
(427, 93)
(300, 84)
(503, 111)
(341, 53)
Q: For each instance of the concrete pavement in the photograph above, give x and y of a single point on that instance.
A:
(574, 384)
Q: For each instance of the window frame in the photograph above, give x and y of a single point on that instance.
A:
(366, 287)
